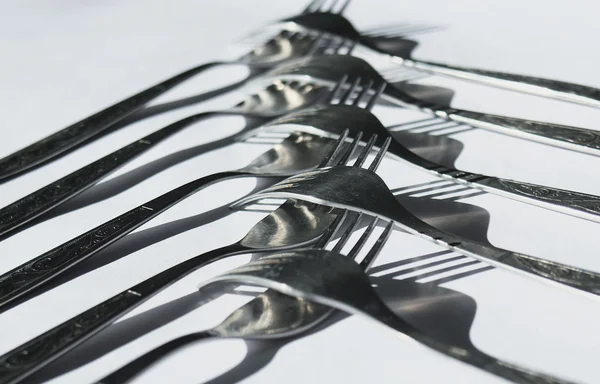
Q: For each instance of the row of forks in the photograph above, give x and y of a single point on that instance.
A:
(323, 104)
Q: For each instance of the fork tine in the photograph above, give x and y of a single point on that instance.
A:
(349, 231)
(336, 150)
(319, 39)
(350, 150)
(365, 152)
(378, 93)
(363, 239)
(352, 44)
(362, 93)
(350, 91)
(380, 154)
(338, 87)
(370, 258)
(344, 6)
(330, 231)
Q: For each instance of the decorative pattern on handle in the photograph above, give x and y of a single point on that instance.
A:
(36, 271)
(569, 199)
(573, 135)
(57, 341)
(571, 276)
(66, 139)
(53, 194)
(561, 90)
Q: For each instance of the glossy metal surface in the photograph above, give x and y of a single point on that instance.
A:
(331, 120)
(554, 89)
(284, 47)
(330, 68)
(296, 153)
(330, 279)
(337, 187)
(275, 100)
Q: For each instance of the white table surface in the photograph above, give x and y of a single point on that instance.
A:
(64, 60)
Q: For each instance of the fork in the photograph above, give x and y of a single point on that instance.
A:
(293, 224)
(248, 322)
(362, 94)
(286, 46)
(298, 152)
(331, 67)
(337, 24)
(275, 100)
(338, 187)
(328, 278)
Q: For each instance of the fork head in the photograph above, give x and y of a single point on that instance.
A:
(282, 97)
(338, 187)
(284, 47)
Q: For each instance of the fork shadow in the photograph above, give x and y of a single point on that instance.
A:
(136, 241)
(130, 329)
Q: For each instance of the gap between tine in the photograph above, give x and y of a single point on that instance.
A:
(335, 92)
(350, 91)
(330, 10)
(365, 152)
(313, 4)
(370, 258)
(362, 93)
(363, 239)
(318, 39)
(380, 155)
(346, 235)
(351, 149)
(330, 231)
(378, 93)
(344, 6)
(336, 150)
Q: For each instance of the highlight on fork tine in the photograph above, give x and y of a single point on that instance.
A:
(347, 233)
(327, 161)
(377, 160)
(331, 230)
(376, 96)
(350, 91)
(365, 90)
(350, 150)
(363, 239)
(365, 152)
(337, 89)
(376, 248)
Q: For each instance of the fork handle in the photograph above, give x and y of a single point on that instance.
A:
(15, 215)
(562, 136)
(27, 358)
(572, 203)
(69, 138)
(24, 278)
(135, 367)
(552, 89)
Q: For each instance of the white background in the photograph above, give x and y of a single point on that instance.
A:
(64, 60)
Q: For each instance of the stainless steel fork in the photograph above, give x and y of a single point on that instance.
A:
(335, 23)
(330, 68)
(339, 187)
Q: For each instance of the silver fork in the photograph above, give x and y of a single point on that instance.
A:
(300, 151)
(286, 46)
(349, 107)
(337, 24)
(330, 68)
(328, 278)
(275, 100)
(338, 187)
(286, 316)
(293, 224)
